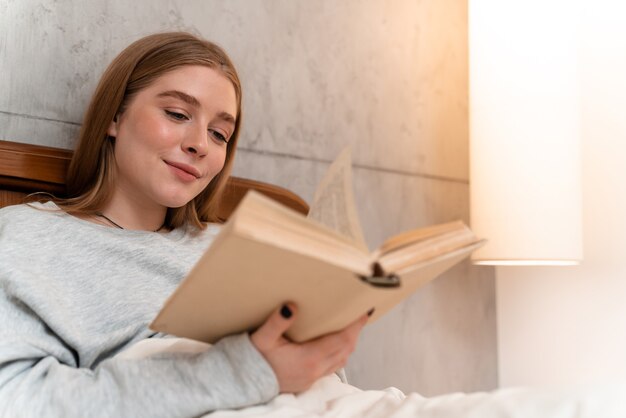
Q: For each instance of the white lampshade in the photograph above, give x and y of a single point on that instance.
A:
(525, 162)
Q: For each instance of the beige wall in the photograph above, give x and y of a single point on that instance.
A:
(388, 77)
(561, 326)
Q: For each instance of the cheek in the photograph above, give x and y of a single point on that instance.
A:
(152, 131)
(216, 160)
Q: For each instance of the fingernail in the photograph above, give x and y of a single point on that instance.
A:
(285, 312)
(371, 311)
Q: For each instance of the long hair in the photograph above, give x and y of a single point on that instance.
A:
(91, 173)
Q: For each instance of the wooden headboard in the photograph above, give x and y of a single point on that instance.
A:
(26, 168)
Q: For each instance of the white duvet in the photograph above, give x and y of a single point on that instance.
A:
(329, 397)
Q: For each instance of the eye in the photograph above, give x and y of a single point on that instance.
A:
(176, 115)
(219, 136)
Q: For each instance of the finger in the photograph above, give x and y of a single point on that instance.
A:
(336, 362)
(277, 323)
(330, 344)
(338, 359)
(352, 331)
(345, 337)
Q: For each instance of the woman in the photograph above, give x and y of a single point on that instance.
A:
(81, 278)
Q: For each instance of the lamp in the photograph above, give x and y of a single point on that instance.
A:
(525, 162)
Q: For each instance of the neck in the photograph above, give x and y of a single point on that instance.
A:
(134, 215)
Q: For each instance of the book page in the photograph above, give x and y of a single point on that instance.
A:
(411, 237)
(333, 204)
(425, 249)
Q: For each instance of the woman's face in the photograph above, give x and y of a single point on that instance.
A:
(170, 140)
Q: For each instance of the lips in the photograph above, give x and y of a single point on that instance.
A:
(191, 170)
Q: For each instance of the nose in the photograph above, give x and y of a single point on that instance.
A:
(196, 143)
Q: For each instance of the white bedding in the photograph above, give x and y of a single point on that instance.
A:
(329, 397)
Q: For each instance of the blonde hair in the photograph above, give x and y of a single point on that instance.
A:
(90, 177)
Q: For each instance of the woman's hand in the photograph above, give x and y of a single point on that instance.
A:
(298, 365)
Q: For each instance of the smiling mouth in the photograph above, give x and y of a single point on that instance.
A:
(184, 171)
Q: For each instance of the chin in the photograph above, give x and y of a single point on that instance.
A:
(176, 197)
(174, 204)
(175, 201)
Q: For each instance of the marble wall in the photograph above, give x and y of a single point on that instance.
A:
(387, 77)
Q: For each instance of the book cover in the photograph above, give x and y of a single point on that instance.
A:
(267, 254)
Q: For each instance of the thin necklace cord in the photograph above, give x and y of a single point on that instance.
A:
(102, 215)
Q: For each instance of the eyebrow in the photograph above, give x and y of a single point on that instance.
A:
(177, 94)
(226, 117)
(192, 101)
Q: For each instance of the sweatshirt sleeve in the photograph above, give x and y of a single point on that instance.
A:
(39, 376)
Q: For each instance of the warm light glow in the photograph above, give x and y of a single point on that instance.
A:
(527, 262)
(525, 162)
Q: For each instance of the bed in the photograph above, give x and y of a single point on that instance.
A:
(26, 168)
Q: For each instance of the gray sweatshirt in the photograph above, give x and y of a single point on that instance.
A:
(73, 294)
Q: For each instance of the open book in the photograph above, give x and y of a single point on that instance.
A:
(267, 254)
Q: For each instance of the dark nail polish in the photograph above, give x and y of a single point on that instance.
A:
(285, 312)
(371, 311)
